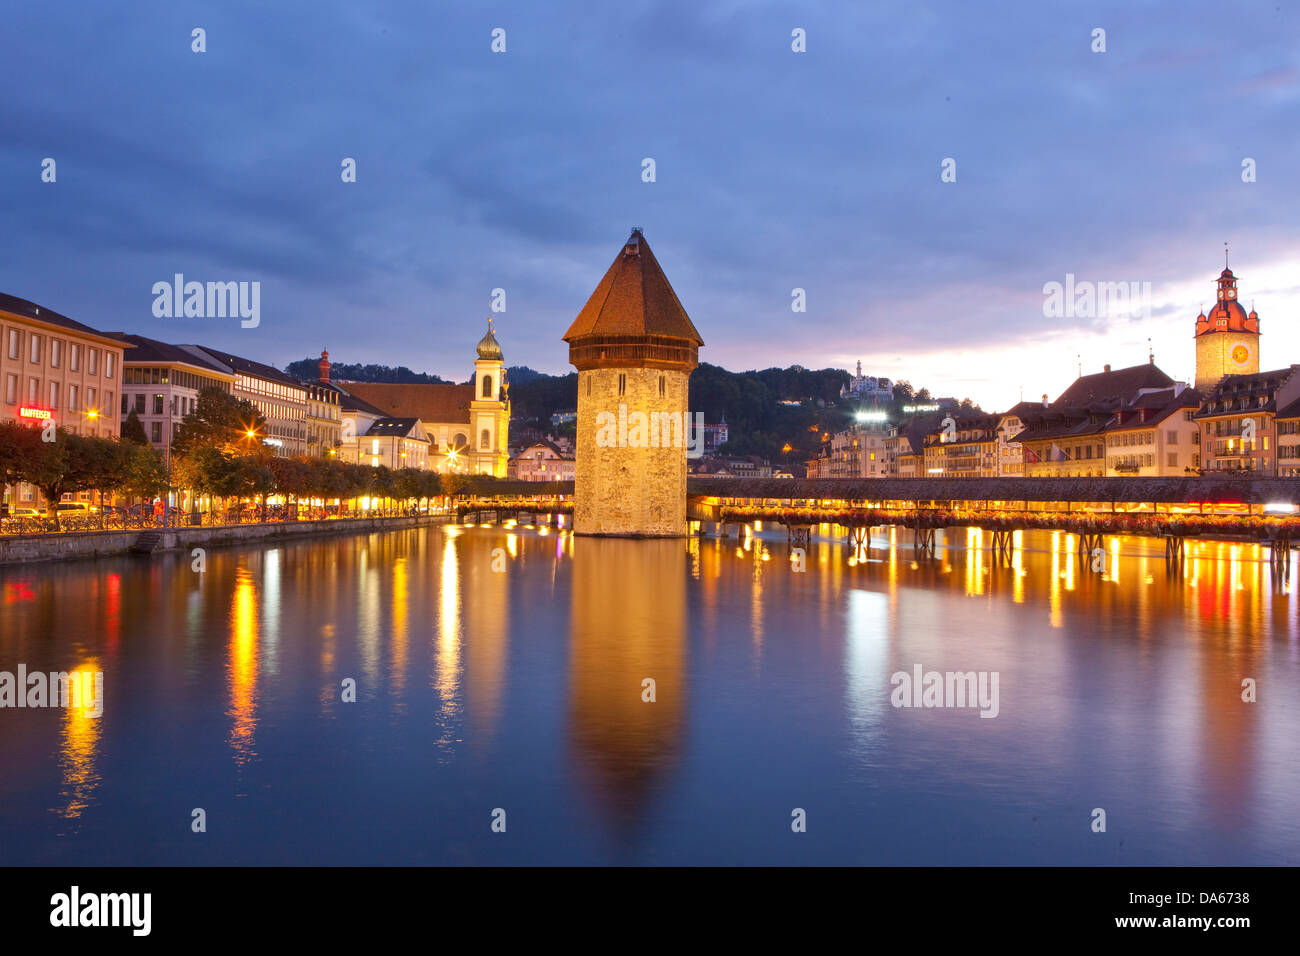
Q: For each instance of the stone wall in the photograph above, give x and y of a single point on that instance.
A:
(92, 544)
(620, 489)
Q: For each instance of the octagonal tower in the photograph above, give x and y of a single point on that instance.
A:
(634, 348)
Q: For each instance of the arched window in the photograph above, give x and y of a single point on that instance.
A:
(487, 386)
(485, 439)
(460, 441)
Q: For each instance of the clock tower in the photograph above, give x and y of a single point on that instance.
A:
(1227, 340)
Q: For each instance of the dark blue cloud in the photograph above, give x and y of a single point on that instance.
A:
(775, 170)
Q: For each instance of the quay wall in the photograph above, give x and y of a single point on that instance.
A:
(23, 549)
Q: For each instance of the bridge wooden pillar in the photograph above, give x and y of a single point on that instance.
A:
(1279, 556)
(1090, 542)
(798, 535)
(1002, 546)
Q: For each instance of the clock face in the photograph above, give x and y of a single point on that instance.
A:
(1240, 355)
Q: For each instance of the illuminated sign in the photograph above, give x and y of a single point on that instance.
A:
(920, 408)
(33, 413)
(871, 416)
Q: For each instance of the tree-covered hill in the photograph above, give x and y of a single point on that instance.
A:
(308, 370)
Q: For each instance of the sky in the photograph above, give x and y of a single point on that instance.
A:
(774, 170)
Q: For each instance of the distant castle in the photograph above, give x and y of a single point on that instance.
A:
(868, 388)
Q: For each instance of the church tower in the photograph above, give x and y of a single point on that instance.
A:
(489, 410)
(634, 348)
(1227, 340)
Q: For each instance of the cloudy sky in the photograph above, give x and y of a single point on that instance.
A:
(774, 170)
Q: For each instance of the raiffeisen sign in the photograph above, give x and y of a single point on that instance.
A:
(908, 409)
(33, 413)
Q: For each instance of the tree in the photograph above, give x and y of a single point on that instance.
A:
(19, 445)
(144, 474)
(133, 431)
(220, 421)
(69, 464)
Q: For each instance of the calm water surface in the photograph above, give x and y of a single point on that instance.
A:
(521, 689)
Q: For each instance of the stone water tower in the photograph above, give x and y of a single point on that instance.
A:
(634, 348)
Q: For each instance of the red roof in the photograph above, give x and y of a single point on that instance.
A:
(634, 298)
(431, 404)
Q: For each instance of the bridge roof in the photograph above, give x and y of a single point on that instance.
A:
(1157, 490)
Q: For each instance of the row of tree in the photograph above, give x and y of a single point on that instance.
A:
(217, 453)
(57, 462)
(215, 473)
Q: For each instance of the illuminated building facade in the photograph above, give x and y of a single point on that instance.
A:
(1227, 340)
(55, 369)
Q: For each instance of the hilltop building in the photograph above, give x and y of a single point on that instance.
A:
(867, 389)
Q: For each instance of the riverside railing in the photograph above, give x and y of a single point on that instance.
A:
(117, 521)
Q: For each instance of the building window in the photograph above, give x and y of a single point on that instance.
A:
(155, 432)
(54, 395)
(74, 357)
(11, 389)
(33, 391)
(36, 350)
(622, 383)
(108, 401)
(485, 439)
(90, 398)
(15, 339)
(92, 361)
(56, 352)
(72, 399)
(663, 386)
(139, 404)
(158, 404)
(487, 386)
(108, 365)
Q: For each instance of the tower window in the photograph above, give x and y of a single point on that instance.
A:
(663, 386)
(485, 439)
(588, 384)
(487, 386)
(622, 383)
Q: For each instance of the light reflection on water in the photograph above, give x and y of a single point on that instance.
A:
(511, 668)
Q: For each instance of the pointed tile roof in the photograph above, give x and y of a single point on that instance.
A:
(634, 298)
